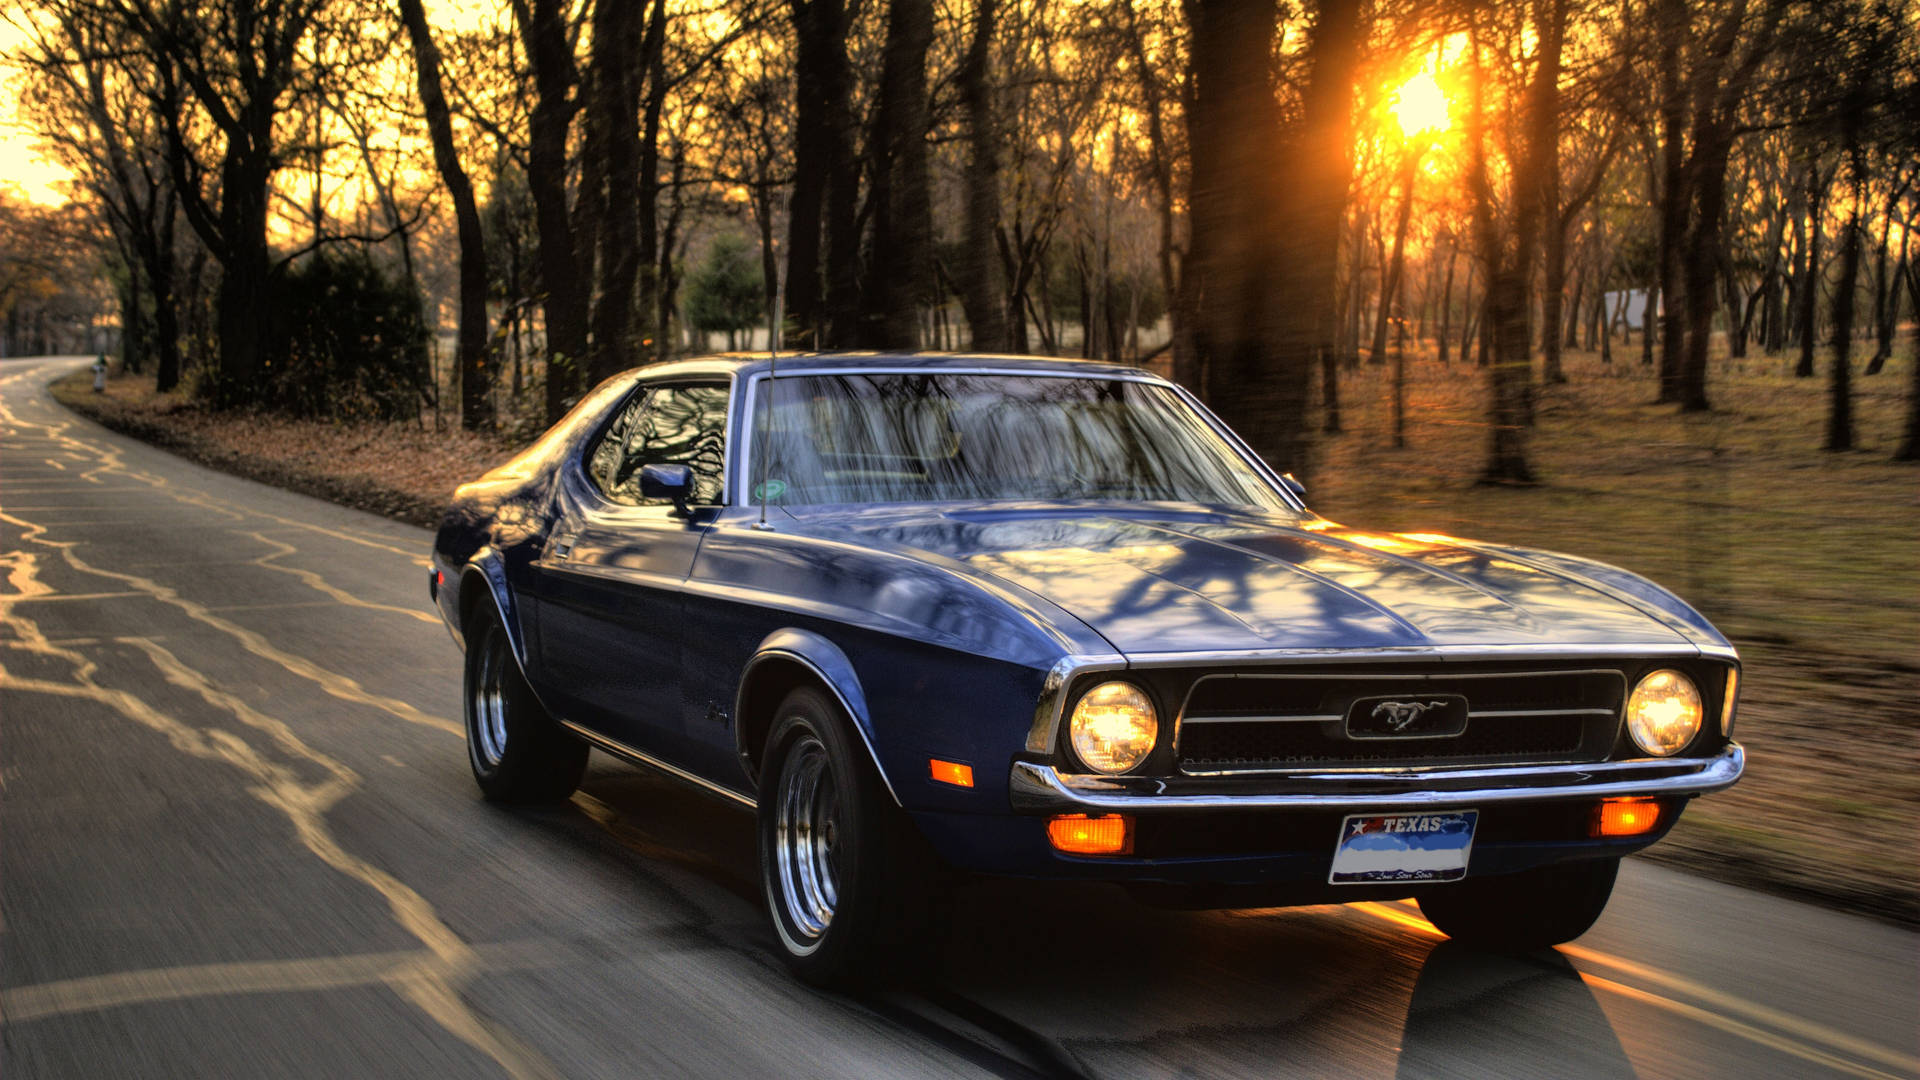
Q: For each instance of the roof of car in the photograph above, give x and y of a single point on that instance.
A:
(742, 363)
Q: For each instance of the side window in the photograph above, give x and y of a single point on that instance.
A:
(607, 463)
(665, 425)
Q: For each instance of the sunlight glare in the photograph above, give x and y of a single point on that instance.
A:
(1420, 105)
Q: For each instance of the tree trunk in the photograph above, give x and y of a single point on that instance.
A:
(1469, 315)
(1185, 364)
(543, 30)
(1889, 318)
(1390, 280)
(1270, 256)
(244, 299)
(1553, 286)
(1575, 313)
(1910, 446)
(1671, 25)
(1840, 410)
(471, 355)
(900, 267)
(822, 237)
(982, 293)
(1708, 176)
(1446, 304)
(613, 125)
(1806, 299)
(1882, 321)
(654, 302)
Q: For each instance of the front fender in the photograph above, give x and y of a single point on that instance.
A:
(830, 666)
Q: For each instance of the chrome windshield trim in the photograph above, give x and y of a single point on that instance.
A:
(1042, 789)
(1239, 446)
(740, 457)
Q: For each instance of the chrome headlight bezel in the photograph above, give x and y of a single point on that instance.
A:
(1113, 728)
(1665, 690)
(1729, 703)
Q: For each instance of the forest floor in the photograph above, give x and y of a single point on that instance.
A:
(1808, 560)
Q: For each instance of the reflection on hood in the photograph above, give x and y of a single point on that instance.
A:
(1188, 579)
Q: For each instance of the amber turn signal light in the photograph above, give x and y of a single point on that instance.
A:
(1624, 817)
(1078, 834)
(951, 772)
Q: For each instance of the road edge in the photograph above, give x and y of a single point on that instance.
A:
(73, 391)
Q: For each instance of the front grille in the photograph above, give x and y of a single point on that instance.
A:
(1274, 722)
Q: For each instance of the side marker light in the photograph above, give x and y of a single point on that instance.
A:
(951, 772)
(1624, 817)
(1078, 834)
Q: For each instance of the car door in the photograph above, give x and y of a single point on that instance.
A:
(615, 565)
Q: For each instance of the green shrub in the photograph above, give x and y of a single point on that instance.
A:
(346, 341)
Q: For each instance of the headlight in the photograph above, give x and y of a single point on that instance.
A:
(1113, 727)
(1664, 712)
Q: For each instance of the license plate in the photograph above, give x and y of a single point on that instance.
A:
(1385, 849)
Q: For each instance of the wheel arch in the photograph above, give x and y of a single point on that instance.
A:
(784, 661)
(484, 582)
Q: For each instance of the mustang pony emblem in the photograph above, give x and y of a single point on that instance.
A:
(1401, 715)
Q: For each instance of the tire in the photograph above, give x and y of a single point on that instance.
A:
(518, 753)
(849, 883)
(1533, 909)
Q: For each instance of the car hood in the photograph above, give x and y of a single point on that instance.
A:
(1184, 580)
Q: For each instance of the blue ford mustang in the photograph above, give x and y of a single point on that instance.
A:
(1051, 618)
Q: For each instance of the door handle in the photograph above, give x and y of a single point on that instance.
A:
(562, 547)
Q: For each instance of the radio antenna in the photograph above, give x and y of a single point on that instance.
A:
(766, 413)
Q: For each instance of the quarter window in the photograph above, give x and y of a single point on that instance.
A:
(664, 425)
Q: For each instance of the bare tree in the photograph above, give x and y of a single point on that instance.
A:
(475, 360)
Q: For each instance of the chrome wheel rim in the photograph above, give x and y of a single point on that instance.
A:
(806, 831)
(488, 705)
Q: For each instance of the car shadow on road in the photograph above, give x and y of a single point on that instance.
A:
(1080, 979)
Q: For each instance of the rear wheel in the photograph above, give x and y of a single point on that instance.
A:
(1529, 910)
(518, 753)
(848, 882)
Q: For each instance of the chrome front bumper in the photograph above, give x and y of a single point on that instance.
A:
(1042, 789)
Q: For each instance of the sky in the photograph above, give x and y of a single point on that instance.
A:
(20, 167)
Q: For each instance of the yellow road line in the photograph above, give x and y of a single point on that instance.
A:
(320, 585)
(1786, 1022)
(1765, 1038)
(1839, 1040)
(304, 804)
(335, 684)
(58, 597)
(156, 985)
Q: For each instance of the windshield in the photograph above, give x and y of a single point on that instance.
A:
(938, 437)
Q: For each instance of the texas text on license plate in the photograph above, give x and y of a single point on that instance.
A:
(1381, 849)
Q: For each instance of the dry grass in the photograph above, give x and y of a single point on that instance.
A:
(1808, 560)
(404, 471)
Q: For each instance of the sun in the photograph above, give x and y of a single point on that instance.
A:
(1420, 105)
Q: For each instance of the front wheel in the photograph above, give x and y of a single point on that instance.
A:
(1529, 910)
(518, 753)
(847, 881)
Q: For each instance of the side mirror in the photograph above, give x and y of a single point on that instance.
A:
(1292, 483)
(667, 482)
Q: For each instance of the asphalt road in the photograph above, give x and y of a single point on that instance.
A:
(238, 838)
